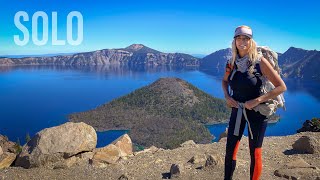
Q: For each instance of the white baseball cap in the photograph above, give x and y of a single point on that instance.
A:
(243, 30)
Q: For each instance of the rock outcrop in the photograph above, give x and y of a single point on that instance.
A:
(310, 125)
(55, 144)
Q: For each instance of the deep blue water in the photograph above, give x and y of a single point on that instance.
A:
(37, 97)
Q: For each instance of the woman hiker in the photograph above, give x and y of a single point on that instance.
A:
(246, 94)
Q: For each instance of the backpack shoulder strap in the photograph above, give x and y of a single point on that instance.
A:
(229, 67)
(257, 69)
(233, 72)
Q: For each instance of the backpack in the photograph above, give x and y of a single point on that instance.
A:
(267, 86)
(269, 107)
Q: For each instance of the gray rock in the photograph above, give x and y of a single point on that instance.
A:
(298, 169)
(176, 170)
(56, 144)
(307, 144)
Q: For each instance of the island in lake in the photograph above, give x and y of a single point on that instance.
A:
(165, 114)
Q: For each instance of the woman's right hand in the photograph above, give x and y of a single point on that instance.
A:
(231, 102)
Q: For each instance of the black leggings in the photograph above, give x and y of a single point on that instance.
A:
(258, 126)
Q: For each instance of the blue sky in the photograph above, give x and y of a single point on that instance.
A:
(194, 27)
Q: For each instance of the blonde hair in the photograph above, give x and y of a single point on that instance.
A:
(252, 53)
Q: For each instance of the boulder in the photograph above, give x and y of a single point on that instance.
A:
(298, 169)
(56, 144)
(1, 152)
(124, 143)
(6, 159)
(307, 144)
(106, 155)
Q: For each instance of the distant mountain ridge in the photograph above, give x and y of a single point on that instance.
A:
(300, 64)
(135, 54)
(32, 55)
(216, 60)
(295, 62)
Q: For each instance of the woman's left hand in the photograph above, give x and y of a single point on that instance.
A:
(251, 104)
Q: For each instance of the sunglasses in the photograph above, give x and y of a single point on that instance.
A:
(238, 38)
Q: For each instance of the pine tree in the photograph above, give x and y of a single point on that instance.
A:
(18, 146)
(28, 138)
